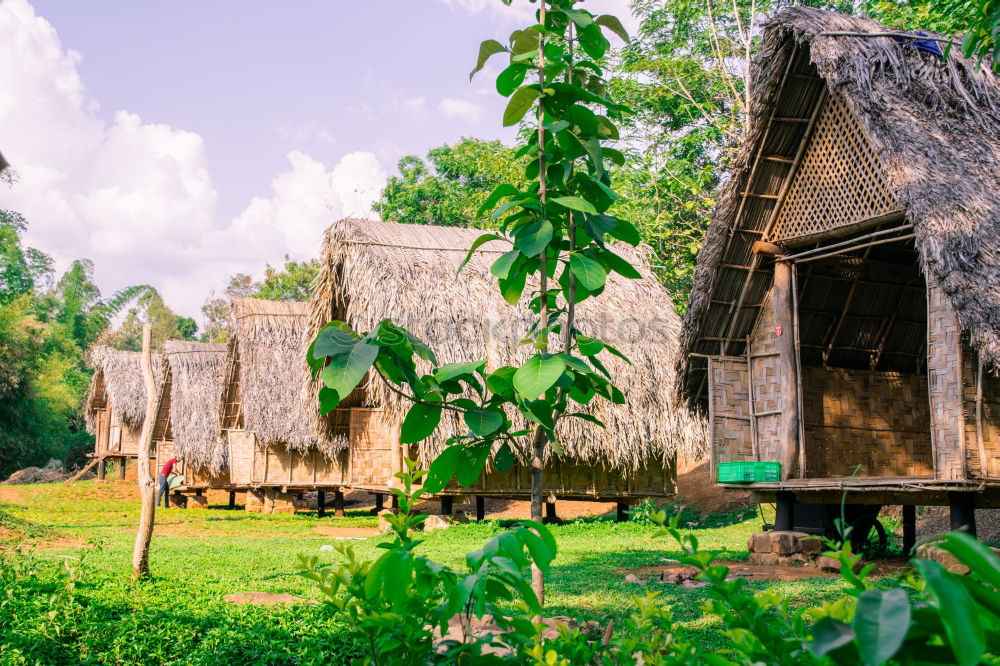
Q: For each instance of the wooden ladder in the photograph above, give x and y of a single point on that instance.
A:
(83, 471)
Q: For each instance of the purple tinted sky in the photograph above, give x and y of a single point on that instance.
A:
(257, 79)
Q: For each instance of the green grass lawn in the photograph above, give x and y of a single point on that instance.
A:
(180, 616)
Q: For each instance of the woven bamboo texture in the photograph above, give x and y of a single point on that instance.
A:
(989, 420)
(840, 181)
(275, 465)
(765, 378)
(569, 480)
(102, 430)
(876, 420)
(944, 380)
(729, 410)
(372, 449)
(241, 457)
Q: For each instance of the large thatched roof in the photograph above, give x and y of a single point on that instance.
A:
(269, 339)
(195, 372)
(118, 375)
(935, 127)
(373, 270)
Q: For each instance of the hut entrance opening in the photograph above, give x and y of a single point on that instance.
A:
(862, 347)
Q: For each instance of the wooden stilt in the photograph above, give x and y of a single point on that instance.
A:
(121, 468)
(232, 499)
(338, 503)
(394, 504)
(101, 469)
(550, 513)
(447, 504)
(321, 503)
(480, 507)
(909, 528)
(963, 512)
(621, 512)
(784, 519)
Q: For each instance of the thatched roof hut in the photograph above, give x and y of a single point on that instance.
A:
(934, 129)
(117, 382)
(846, 306)
(374, 270)
(190, 403)
(266, 370)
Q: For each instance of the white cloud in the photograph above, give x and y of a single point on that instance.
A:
(307, 133)
(521, 11)
(460, 109)
(138, 198)
(414, 104)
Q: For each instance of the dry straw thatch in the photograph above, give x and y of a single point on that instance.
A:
(196, 373)
(120, 374)
(269, 340)
(375, 270)
(935, 127)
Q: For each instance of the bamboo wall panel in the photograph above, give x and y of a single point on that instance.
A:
(569, 479)
(944, 380)
(729, 410)
(372, 449)
(102, 427)
(765, 375)
(878, 420)
(241, 457)
(129, 440)
(840, 181)
(989, 420)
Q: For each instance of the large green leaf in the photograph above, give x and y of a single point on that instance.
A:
(501, 267)
(484, 422)
(575, 203)
(537, 375)
(589, 346)
(476, 244)
(504, 458)
(532, 239)
(590, 273)
(613, 24)
(501, 191)
(334, 340)
(982, 562)
(328, 400)
(519, 103)
(472, 463)
(450, 371)
(830, 635)
(442, 469)
(510, 78)
(619, 265)
(957, 611)
(421, 420)
(881, 621)
(345, 371)
(512, 287)
(487, 49)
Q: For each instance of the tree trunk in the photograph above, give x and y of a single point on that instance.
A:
(147, 486)
(537, 465)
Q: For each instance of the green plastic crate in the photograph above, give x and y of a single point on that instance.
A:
(748, 472)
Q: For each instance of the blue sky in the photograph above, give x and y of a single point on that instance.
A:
(175, 143)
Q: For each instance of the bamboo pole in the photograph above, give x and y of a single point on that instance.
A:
(147, 487)
(788, 375)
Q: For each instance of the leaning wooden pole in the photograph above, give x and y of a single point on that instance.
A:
(147, 487)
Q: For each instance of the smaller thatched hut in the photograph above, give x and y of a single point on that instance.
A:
(373, 270)
(187, 413)
(271, 431)
(845, 316)
(115, 404)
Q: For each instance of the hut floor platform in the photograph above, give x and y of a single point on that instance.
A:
(877, 490)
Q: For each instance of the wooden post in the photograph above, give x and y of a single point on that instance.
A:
(232, 499)
(121, 468)
(550, 513)
(963, 512)
(394, 503)
(480, 508)
(338, 503)
(784, 321)
(621, 512)
(101, 469)
(447, 505)
(379, 503)
(321, 503)
(147, 486)
(784, 518)
(909, 529)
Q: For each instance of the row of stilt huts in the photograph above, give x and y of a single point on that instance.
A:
(844, 320)
(244, 415)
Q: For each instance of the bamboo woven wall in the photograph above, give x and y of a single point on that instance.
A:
(988, 421)
(129, 440)
(275, 465)
(765, 378)
(878, 420)
(569, 480)
(241, 456)
(372, 449)
(944, 380)
(840, 181)
(729, 410)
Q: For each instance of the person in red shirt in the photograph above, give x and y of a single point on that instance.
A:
(164, 484)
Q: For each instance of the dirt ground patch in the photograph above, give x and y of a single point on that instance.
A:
(265, 599)
(695, 488)
(345, 532)
(752, 572)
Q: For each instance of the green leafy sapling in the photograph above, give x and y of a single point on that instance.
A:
(559, 235)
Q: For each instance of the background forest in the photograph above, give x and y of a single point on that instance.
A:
(685, 74)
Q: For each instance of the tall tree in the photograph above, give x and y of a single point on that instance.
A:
(292, 282)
